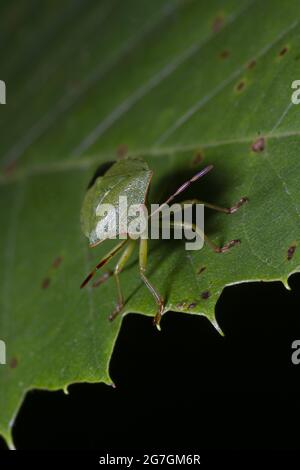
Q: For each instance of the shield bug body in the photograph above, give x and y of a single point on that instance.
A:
(130, 178)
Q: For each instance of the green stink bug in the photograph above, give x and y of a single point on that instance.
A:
(131, 178)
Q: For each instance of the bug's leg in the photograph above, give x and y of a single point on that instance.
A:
(119, 267)
(226, 210)
(183, 187)
(221, 249)
(143, 265)
(213, 246)
(103, 261)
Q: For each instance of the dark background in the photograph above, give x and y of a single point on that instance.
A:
(186, 387)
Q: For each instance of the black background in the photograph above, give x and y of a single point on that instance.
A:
(186, 387)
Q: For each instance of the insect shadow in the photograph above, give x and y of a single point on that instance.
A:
(209, 189)
(100, 171)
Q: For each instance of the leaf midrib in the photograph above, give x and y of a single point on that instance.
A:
(90, 161)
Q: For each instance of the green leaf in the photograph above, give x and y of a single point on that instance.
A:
(180, 83)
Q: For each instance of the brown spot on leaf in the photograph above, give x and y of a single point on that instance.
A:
(224, 54)
(251, 64)
(122, 150)
(46, 283)
(181, 305)
(205, 295)
(283, 51)
(10, 168)
(198, 158)
(258, 145)
(218, 23)
(13, 363)
(291, 252)
(192, 305)
(57, 262)
(201, 270)
(102, 278)
(240, 86)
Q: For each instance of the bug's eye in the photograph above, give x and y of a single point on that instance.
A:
(101, 170)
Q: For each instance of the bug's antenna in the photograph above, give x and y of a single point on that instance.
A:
(104, 260)
(184, 186)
